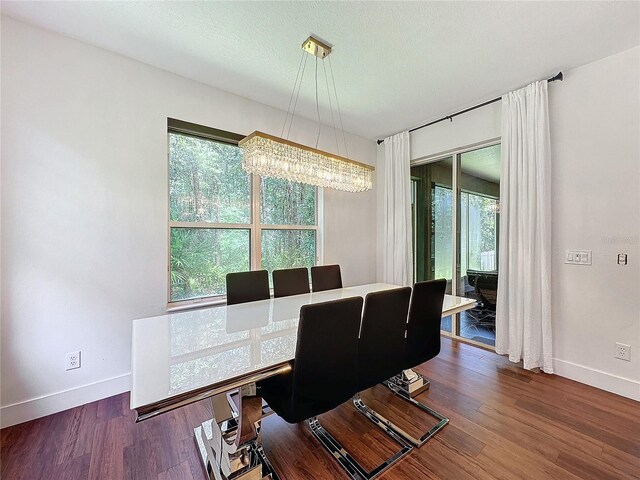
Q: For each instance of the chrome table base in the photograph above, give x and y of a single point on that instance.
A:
(353, 468)
(230, 443)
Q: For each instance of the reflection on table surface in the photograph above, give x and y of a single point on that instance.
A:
(184, 351)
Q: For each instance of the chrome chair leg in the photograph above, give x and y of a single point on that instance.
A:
(385, 424)
(353, 468)
(378, 419)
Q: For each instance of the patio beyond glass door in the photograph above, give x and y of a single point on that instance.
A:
(456, 228)
(433, 224)
(479, 201)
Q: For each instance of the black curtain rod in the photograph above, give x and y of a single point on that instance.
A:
(559, 76)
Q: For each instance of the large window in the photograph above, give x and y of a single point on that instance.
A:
(223, 220)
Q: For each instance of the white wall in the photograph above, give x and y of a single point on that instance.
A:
(84, 209)
(595, 142)
(595, 147)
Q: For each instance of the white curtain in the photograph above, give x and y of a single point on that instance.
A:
(397, 266)
(523, 316)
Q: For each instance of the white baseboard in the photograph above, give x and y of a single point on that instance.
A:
(597, 378)
(74, 397)
(59, 401)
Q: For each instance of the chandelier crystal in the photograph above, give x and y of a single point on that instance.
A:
(278, 157)
(271, 156)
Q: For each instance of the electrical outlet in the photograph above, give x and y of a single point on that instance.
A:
(73, 360)
(623, 351)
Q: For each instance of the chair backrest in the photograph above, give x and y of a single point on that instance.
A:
(381, 347)
(423, 326)
(247, 286)
(324, 369)
(325, 277)
(472, 275)
(487, 289)
(292, 281)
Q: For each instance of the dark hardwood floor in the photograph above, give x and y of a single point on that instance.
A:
(506, 423)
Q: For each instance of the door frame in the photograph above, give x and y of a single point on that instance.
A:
(455, 154)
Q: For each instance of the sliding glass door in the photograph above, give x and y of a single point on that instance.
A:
(479, 227)
(433, 224)
(456, 229)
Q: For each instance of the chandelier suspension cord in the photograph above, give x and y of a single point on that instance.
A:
(278, 157)
(295, 104)
(292, 93)
(344, 138)
(317, 105)
(333, 120)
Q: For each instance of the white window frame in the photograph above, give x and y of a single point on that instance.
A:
(254, 226)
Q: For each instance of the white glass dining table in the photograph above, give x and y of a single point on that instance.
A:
(219, 353)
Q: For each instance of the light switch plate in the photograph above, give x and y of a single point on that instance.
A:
(578, 257)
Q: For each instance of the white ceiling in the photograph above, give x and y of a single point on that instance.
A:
(397, 64)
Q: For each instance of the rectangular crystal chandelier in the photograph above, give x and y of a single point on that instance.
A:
(272, 156)
(278, 157)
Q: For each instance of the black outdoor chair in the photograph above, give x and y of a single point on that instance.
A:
(486, 292)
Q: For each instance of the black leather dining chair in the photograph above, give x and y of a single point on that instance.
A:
(325, 277)
(292, 281)
(381, 349)
(247, 286)
(323, 374)
(423, 325)
(381, 346)
(422, 344)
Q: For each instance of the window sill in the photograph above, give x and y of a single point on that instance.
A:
(196, 305)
